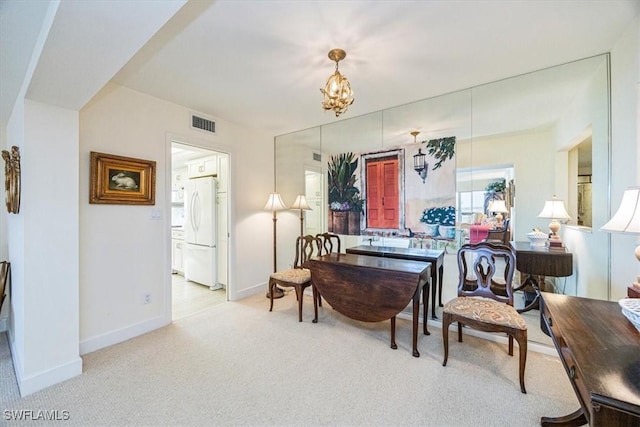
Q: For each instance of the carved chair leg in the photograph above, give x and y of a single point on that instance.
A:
(299, 290)
(521, 337)
(510, 345)
(459, 332)
(446, 320)
(271, 285)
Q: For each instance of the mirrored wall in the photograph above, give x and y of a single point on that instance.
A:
(542, 134)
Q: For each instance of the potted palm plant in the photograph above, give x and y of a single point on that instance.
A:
(345, 203)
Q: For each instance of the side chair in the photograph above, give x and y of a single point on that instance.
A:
(479, 305)
(298, 277)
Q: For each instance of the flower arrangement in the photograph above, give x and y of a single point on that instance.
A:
(445, 215)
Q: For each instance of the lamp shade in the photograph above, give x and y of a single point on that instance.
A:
(274, 203)
(498, 206)
(301, 203)
(627, 218)
(554, 209)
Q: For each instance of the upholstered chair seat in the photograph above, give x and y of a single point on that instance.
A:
(487, 311)
(293, 275)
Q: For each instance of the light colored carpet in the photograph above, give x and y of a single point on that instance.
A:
(238, 364)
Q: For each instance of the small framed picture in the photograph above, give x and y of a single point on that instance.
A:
(122, 180)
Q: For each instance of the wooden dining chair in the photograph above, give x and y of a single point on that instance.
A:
(479, 305)
(298, 277)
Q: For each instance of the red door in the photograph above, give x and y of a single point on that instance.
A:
(382, 197)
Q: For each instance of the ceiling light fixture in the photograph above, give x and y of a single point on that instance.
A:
(418, 160)
(337, 91)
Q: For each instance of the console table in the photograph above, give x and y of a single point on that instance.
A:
(369, 288)
(537, 262)
(599, 348)
(435, 257)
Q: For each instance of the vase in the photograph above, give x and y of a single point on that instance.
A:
(431, 229)
(354, 223)
(447, 231)
(340, 222)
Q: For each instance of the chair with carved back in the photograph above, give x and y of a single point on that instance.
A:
(298, 277)
(330, 244)
(5, 277)
(500, 235)
(482, 306)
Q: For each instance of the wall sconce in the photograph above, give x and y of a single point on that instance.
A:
(555, 210)
(337, 91)
(419, 164)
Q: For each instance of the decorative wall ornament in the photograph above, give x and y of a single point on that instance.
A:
(122, 180)
(12, 179)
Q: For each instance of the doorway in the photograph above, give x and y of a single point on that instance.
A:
(199, 271)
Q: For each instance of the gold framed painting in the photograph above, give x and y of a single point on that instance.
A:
(122, 180)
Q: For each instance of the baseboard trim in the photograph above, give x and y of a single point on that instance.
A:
(44, 379)
(245, 293)
(107, 339)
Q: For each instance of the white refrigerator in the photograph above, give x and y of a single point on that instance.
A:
(200, 257)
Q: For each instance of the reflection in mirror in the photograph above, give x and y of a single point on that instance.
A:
(580, 190)
(526, 132)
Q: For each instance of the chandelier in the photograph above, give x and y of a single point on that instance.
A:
(337, 91)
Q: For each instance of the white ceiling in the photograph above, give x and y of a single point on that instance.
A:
(260, 63)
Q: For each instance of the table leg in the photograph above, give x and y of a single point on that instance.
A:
(574, 419)
(425, 308)
(530, 281)
(436, 279)
(393, 333)
(440, 276)
(416, 315)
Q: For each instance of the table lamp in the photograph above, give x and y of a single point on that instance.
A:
(275, 204)
(555, 210)
(498, 207)
(301, 203)
(627, 218)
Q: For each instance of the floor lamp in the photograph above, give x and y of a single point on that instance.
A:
(301, 203)
(275, 204)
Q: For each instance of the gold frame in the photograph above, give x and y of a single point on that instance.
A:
(122, 180)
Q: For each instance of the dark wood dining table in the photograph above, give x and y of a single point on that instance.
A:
(435, 257)
(370, 288)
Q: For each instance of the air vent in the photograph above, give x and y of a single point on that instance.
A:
(203, 124)
(317, 157)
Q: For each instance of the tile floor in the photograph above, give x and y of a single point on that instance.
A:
(189, 298)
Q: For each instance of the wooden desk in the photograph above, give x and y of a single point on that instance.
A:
(538, 262)
(370, 289)
(435, 257)
(599, 349)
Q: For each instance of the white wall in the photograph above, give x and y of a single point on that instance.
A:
(43, 247)
(125, 254)
(625, 80)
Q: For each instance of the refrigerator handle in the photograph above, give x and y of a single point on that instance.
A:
(192, 204)
(197, 214)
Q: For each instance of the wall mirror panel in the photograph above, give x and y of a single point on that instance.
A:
(524, 132)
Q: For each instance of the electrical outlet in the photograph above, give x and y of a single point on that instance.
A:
(147, 298)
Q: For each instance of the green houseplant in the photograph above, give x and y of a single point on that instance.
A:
(345, 203)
